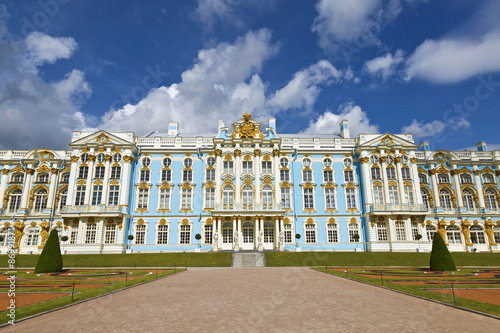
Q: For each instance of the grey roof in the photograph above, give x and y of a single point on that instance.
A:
(211, 135)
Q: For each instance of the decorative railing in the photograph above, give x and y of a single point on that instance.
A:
(247, 206)
(398, 207)
(93, 209)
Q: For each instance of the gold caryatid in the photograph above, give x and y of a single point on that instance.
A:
(247, 129)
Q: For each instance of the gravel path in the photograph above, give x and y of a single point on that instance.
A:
(257, 300)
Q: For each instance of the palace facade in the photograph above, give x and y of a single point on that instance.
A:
(248, 187)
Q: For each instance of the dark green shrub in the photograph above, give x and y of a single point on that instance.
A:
(440, 256)
(50, 260)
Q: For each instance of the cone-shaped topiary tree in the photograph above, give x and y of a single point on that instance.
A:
(50, 260)
(440, 256)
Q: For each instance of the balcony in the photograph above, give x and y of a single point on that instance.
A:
(420, 208)
(251, 207)
(88, 210)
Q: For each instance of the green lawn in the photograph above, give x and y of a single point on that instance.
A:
(413, 259)
(220, 259)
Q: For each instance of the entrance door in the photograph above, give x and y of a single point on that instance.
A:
(227, 236)
(248, 232)
(268, 236)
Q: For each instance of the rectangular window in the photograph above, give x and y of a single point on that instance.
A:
(99, 172)
(18, 178)
(114, 193)
(109, 237)
(348, 176)
(208, 233)
(391, 173)
(310, 233)
(162, 237)
(350, 195)
(80, 195)
(422, 178)
(333, 234)
(166, 175)
(353, 230)
(307, 176)
(43, 178)
(267, 167)
(227, 167)
(97, 195)
(400, 231)
(330, 198)
(143, 198)
(285, 197)
(209, 197)
(405, 173)
(378, 195)
(327, 176)
(210, 175)
(90, 233)
(443, 179)
(116, 172)
(186, 198)
(308, 198)
(409, 194)
(414, 230)
(376, 173)
(185, 234)
(247, 167)
(73, 236)
(187, 176)
(83, 172)
(381, 231)
(140, 234)
(288, 233)
(393, 195)
(144, 176)
(65, 178)
(284, 175)
(164, 200)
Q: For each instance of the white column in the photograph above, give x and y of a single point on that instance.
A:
(435, 191)
(3, 184)
(125, 180)
(218, 172)
(219, 231)
(416, 180)
(277, 232)
(26, 188)
(277, 195)
(237, 152)
(100, 232)
(89, 180)
(240, 235)
(52, 188)
(458, 190)
(479, 186)
(72, 180)
(400, 181)
(257, 176)
(384, 179)
(365, 173)
(256, 236)
(105, 181)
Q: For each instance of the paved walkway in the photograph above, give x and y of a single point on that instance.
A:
(248, 259)
(257, 300)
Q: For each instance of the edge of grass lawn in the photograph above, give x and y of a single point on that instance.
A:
(84, 295)
(361, 259)
(485, 309)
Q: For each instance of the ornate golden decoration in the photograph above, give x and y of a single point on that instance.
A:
(91, 220)
(488, 228)
(487, 169)
(442, 230)
(387, 140)
(228, 157)
(120, 223)
(140, 221)
(266, 158)
(185, 221)
(30, 171)
(465, 231)
(108, 158)
(353, 220)
(364, 160)
(237, 152)
(247, 157)
(74, 159)
(247, 130)
(332, 220)
(476, 172)
(455, 172)
(44, 233)
(276, 152)
(162, 222)
(5, 171)
(102, 138)
(310, 221)
(18, 234)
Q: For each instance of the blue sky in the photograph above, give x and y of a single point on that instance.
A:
(430, 68)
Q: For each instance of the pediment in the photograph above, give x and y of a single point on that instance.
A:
(389, 140)
(100, 138)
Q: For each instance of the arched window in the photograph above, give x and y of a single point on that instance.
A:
(431, 230)
(422, 178)
(445, 199)
(32, 236)
(4, 232)
(114, 193)
(468, 199)
(268, 232)
(65, 177)
(40, 200)
(490, 199)
(227, 233)
(409, 194)
(247, 197)
(228, 197)
(465, 179)
(63, 195)
(96, 195)
(15, 200)
(378, 195)
(496, 233)
(477, 235)
(248, 232)
(425, 198)
(80, 195)
(393, 195)
(453, 234)
(267, 197)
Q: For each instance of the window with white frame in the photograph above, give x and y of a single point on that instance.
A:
(40, 200)
(227, 233)
(267, 167)
(84, 158)
(393, 195)
(247, 197)
(378, 195)
(332, 232)
(162, 234)
(285, 198)
(90, 233)
(468, 199)
(63, 195)
(431, 230)
(228, 197)
(208, 233)
(376, 173)
(4, 233)
(43, 178)
(32, 236)
(117, 157)
(164, 198)
(327, 162)
(83, 172)
(400, 231)
(381, 231)
(422, 178)
(210, 175)
(425, 198)
(167, 162)
(144, 175)
(209, 197)
(306, 176)
(287, 232)
(73, 234)
(374, 159)
(116, 172)
(267, 197)
(99, 172)
(79, 195)
(327, 176)
(445, 199)
(453, 234)
(100, 158)
(477, 235)
(247, 167)
(391, 173)
(114, 194)
(308, 198)
(210, 161)
(348, 176)
(465, 178)
(405, 172)
(140, 234)
(188, 162)
(166, 175)
(408, 190)
(490, 199)
(15, 200)
(110, 234)
(96, 195)
(310, 233)
(228, 167)
(443, 178)
(248, 232)
(350, 196)
(186, 199)
(268, 232)
(187, 175)
(329, 198)
(284, 162)
(185, 234)
(488, 178)
(18, 178)
(496, 234)
(414, 230)
(353, 230)
(284, 175)
(143, 198)
(65, 177)
(146, 162)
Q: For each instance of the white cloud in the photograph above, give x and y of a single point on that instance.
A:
(455, 60)
(210, 11)
(385, 66)
(43, 48)
(422, 130)
(329, 122)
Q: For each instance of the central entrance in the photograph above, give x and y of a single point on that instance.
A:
(248, 236)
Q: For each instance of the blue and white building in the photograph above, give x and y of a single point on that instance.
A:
(248, 187)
